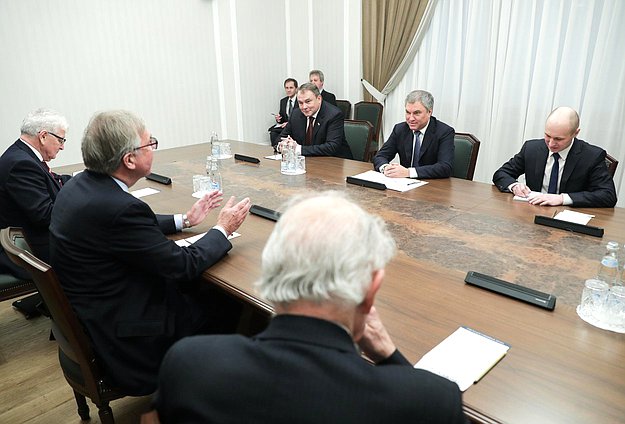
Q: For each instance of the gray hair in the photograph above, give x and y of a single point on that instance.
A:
(43, 120)
(324, 248)
(421, 96)
(108, 137)
(309, 86)
(318, 73)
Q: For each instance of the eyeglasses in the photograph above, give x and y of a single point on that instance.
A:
(153, 144)
(61, 139)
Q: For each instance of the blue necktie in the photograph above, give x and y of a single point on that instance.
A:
(417, 149)
(553, 179)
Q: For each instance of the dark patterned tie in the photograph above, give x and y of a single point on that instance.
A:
(309, 130)
(553, 179)
(52, 174)
(290, 107)
(417, 149)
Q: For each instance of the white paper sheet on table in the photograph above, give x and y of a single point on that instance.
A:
(144, 192)
(274, 157)
(464, 357)
(185, 242)
(397, 184)
(572, 216)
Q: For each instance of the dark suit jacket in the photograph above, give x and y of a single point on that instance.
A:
(436, 157)
(328, 134)
(328, 97)
(299, 370)
(27, 194)
(122, 275)
(275, 132)
(585, 177)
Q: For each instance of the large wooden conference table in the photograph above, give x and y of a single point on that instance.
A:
(559, 369)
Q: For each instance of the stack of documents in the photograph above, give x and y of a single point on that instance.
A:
(464, 357)
(397, 184)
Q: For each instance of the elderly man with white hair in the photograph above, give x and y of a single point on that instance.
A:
(306, 367)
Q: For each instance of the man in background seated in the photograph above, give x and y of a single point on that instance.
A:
(128, 283)
(306, 367)
(559, 169)
(316, 128)
(28, 189)
(316, 77)
(425, 145)
(287, 104)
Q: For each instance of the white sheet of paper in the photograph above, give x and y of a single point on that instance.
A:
(464, 357)
(572, 216)
(185, 242)
(529, 196)
(274, 157)
(144, 192)
(397, 184)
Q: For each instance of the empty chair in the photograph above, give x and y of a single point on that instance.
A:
(346, 108)
(359, 135)
(372, 112)
(466, 147)
(76, 356)
(611, 163)
(11, 287)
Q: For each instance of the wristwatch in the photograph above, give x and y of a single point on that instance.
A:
(185, 221)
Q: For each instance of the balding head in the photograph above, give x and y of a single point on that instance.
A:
(561, 128)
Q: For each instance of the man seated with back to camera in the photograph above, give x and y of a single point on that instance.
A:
(131, 286)
(559, 169)
(425, 145)
(316, 128)
(306, 367)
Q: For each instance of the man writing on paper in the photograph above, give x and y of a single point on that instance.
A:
(287, 104)
(559, 169)
(425, 145)
(130, 285)
(28, 189)
(306, 366)
(317, 128)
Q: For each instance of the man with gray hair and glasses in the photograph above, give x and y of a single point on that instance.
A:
(129, 284)
(28, 189)
(424, 144)
(306, 367)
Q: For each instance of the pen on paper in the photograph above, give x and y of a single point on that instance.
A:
(412, 183)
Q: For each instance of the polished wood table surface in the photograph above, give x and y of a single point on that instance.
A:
(559, 369)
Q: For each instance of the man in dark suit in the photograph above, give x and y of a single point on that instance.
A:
(123, 276)
(287, 104)
(559, 169)
(28, 189)
(424, 144)
(316, 128)
(305, 367)
(316, 77)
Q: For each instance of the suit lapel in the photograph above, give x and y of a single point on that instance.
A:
(41, 165)
(571, 161)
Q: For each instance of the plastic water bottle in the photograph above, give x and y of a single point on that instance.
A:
(215, 148)
(609, 266)
(212, 170)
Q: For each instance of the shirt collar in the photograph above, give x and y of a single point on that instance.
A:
(35, 151)
(424, 129)
(121, 184)
(564, 153)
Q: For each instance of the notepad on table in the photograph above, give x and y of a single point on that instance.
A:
(185, 242)
(397, 184)
(464, 357)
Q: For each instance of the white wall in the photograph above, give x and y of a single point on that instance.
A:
(188, 67)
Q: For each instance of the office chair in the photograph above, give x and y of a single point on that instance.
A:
(611, 163)
(372, 112)
(359, 135)
(76, 356)
(466, 148)
(346, 108)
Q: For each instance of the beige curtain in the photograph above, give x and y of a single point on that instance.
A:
(388, 29)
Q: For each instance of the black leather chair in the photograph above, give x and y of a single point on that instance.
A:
(466, 148)
(359, 135)
(346, 108)
(372, 112)
(76, 356)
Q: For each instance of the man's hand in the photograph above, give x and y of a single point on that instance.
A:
(202, 207)
(521, 190)
(232, 216)
(278, 117)
(376, 342)
(395, 170)
(286, 141)
(545, 199)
